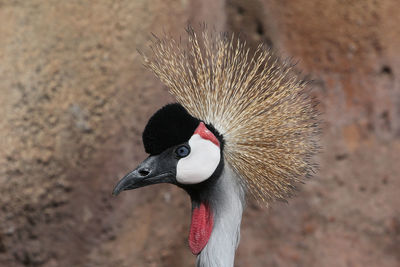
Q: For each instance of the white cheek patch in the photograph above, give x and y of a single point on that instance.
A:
(201, 162)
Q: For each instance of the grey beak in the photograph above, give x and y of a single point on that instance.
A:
(153, 170)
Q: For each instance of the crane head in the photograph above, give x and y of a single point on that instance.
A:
(183, 151)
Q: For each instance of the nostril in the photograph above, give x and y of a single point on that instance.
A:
(144, 172)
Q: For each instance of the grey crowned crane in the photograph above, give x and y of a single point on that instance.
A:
(242, 124)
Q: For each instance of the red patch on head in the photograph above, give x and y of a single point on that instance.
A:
(200, 228)
(206, 134)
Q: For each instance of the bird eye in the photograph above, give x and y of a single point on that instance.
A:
(182, 151)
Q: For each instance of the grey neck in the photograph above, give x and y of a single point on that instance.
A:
(227, 202)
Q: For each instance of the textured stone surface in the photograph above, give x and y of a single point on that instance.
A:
(74, 99)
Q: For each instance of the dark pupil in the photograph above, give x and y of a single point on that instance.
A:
(182, 151)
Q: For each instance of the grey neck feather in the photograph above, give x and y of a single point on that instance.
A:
(227, 202)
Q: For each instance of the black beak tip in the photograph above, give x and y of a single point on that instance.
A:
(117, 190)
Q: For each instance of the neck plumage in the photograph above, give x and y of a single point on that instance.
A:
(226, 199)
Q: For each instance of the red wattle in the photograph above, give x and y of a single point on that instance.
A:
(206, 134)
(200, 228)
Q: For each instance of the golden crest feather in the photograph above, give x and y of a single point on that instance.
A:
(263, 111)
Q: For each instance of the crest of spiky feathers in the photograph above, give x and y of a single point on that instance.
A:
(263, 111)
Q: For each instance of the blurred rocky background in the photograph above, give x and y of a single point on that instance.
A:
(74, 98)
